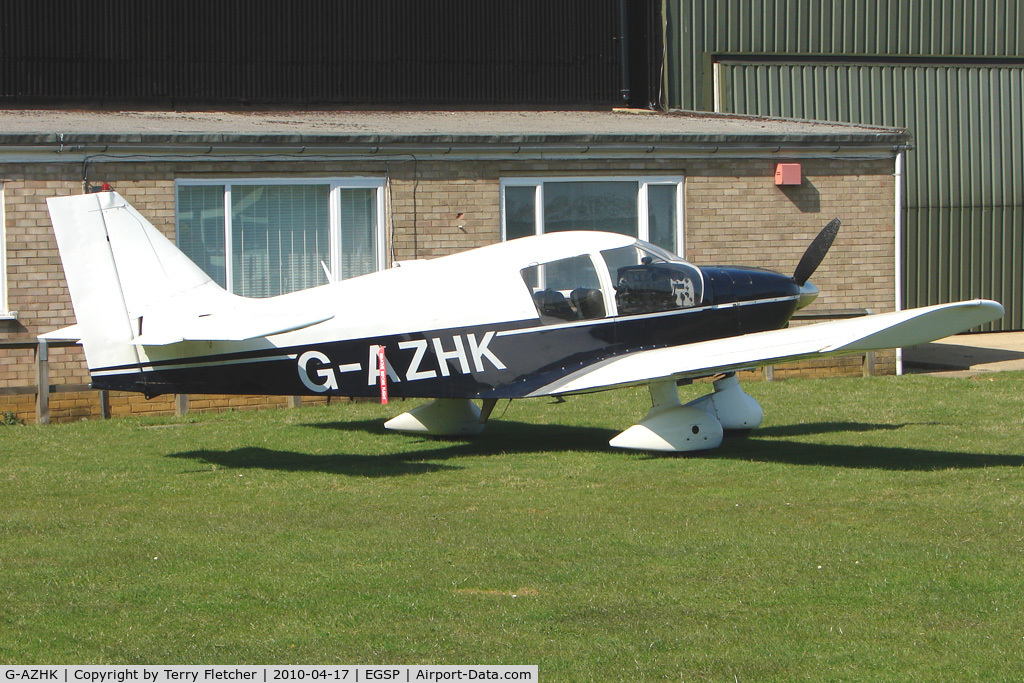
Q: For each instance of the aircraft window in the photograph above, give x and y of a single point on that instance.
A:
(566, 290)
(649, 279)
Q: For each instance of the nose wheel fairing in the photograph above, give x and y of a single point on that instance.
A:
(444, 417)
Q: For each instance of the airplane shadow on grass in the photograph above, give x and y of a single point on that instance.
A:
(428, 455)
(763, 445)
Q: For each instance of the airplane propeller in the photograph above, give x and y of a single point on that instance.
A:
(812, 258)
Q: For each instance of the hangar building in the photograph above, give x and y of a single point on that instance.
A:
(950, 71)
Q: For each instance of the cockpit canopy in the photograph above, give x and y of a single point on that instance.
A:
(631, 280)
(649, 279)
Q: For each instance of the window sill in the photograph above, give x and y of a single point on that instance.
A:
(13, 315)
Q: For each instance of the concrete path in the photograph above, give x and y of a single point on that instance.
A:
(964, 355)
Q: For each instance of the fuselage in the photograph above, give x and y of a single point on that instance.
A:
(498, 322)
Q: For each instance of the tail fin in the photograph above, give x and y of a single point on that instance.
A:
(118, 266)
(124, 275)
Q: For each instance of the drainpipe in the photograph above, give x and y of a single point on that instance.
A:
(899, 247)
(624, 48)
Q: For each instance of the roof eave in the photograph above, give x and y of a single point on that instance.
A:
(80, 147)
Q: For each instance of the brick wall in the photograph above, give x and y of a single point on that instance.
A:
(433, 216)
(738, 216)
(734, 215)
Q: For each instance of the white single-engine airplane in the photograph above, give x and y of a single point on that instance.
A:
(557, 314)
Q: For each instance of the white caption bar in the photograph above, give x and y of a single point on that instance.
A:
(266, 674)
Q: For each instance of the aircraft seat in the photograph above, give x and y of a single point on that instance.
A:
(553, 304)
(589, 302)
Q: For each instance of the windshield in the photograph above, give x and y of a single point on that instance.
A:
(649, 279)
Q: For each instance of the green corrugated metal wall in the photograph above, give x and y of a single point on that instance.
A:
(951, 72)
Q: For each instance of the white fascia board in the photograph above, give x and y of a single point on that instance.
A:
(640, 149)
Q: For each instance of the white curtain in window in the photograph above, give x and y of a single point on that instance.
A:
(280, 235)
(201, 228)
(358, 218)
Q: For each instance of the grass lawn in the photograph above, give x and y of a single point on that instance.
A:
(871, 529)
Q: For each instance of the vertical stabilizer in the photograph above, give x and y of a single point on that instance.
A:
(118, 266)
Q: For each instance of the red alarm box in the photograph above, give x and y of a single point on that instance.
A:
(787, 174)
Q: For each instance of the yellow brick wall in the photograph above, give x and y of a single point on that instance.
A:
(734, 215)
(745, 219)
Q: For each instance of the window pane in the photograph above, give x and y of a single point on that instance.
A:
(610, 206)
(520, 212)
(280, 235)
(661, 216)
(623, 257)
(646, 283)
(565, 290)
(201, 228)
(358, 232)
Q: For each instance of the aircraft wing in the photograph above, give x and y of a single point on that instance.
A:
(701, 359)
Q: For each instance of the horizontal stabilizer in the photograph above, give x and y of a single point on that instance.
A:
(72, 333)
(702, 359)
(222, 327)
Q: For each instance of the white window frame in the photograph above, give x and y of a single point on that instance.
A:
(334, 213)
(643, 183)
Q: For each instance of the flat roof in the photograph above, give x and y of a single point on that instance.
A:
(32, 127)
